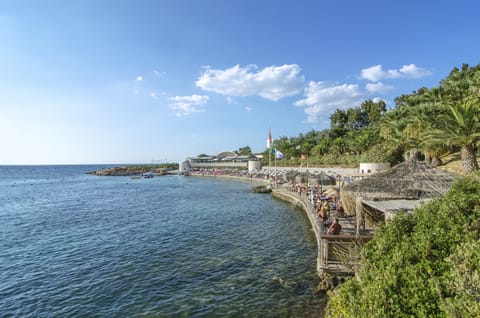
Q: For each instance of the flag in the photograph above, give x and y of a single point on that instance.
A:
(278, 154)
(269, 139)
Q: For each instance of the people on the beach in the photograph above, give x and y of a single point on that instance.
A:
(340, 210)
(335, 228)
(322, 214)
(323, 211)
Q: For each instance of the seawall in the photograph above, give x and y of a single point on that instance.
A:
(306, 205)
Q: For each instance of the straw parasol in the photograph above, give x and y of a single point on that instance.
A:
(325, 179)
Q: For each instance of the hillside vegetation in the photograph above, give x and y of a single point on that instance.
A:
(427, 124)
(427, 265)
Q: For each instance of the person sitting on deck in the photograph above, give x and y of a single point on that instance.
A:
(340, 210)
(322, 213)
(335, 228)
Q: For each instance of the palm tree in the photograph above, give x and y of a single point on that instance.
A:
(392, 130)
(460, 126)
(420, 123)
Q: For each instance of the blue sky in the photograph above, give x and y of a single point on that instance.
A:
(87, 81)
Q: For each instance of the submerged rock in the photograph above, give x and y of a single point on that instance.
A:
(329, 281)
(262, 189)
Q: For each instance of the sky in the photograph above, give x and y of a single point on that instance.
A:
(136, 81)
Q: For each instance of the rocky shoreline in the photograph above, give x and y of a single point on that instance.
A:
(130, 171)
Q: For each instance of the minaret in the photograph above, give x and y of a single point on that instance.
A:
(269, 139)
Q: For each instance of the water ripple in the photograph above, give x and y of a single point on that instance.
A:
(75, 245)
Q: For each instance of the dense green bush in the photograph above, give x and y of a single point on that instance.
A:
(425, 265)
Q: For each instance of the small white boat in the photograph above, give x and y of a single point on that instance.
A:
(148, 175)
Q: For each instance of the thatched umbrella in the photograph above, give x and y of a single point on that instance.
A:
(325, 179)
(301, 178)
(290, 175)
(313, 179)
(332, 192)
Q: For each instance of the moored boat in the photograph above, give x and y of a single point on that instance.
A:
(148, 175)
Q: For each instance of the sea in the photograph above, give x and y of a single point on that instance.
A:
(79, 245)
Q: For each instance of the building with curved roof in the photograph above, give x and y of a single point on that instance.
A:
(225, 159)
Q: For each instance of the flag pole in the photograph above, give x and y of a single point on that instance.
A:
(275, 159)
(269, 162)
(269, 145)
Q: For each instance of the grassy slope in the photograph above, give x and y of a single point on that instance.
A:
(452, 163)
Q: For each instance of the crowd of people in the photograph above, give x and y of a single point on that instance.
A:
(322, 204)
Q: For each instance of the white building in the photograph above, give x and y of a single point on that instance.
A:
(224, 160)
(369, 168)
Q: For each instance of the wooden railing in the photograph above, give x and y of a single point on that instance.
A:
(340, 253)
(336, 253)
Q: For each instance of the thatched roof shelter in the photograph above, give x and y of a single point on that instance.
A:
(410, 180)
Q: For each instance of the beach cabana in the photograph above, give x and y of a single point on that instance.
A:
(401, 188)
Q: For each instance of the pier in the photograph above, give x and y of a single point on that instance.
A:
(337, 255)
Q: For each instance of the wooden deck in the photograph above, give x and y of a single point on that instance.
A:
(337, 254)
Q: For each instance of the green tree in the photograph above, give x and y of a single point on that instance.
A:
(460, 126)
(244, 151)
(461, 83)
(373, 110)
(338, 123)
(392, 130)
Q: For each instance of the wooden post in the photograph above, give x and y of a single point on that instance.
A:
(358, 215)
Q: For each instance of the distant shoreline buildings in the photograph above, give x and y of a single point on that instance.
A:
(226, 159)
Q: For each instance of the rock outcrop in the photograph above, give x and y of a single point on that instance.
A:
(262, 189)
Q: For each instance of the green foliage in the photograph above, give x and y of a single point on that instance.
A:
(425, 265)
(244, 151)
(424, 120)
(463, 278)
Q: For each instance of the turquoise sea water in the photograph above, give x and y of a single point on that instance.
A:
(77, 245)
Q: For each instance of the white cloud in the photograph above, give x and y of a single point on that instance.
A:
(248, 108)
(378, 99)
(414, 71)
(376, 73)
(139, 79)
(322, 98)
(186, 105)
(272, 83)
(377, 87)
(373, 73)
